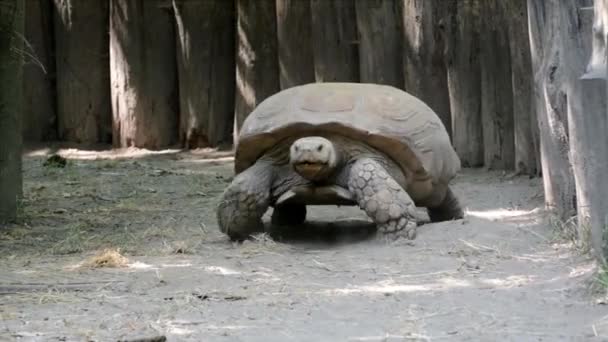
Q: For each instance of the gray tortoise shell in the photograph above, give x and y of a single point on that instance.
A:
(389, 119)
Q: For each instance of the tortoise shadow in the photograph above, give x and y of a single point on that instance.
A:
(324, 231)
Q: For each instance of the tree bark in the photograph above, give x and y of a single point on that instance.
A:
(143, 73)
(294, 32)
(380, 42)
(257, 66)
(83, 83)
(588, 125)
(424, 61)
(206, 71)
(39, 93)
(554, 34)
(11, 60)
(464, 82)
(525, 123)
(334, 32)
(496, 89)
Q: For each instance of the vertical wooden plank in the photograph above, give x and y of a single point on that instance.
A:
(335, 41)
(423, 55)
(464, 82)
(257, 67)
(294, 33)
(39, 93)
(206, 71)
(380, 42)
(83, 84)
(143, 73)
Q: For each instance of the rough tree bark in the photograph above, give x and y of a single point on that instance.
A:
(294, 33)
(462, 44)
(527, 153)
(39, 93)
(334, 31)
(83, 83)
(496, 89)
(205, 64)
(11, 60)
(554, 34)
(424, 45)
(143, 74)
(257, 67)
(588, 127)
(380, 41)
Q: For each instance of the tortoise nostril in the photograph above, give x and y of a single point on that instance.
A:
(320, 148)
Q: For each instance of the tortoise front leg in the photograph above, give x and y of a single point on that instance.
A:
(382, 199)
(245, 201)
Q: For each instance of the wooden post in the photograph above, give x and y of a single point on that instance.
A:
(588, 125)
(294, 33)
(83, 83)
(554, 34)
(143, 74)
(527, 153)
(257, 69)
(424, 61)
(464, 81)
(380, 42)
(496, 89)
(39, 92)
(334, 31)
(206, 71)
(11, 60)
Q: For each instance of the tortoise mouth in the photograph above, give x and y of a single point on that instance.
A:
(310, 169)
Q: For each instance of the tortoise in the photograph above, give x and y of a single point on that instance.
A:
(337, 143)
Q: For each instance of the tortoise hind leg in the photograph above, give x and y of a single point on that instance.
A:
(244, 202)
(449, 209)
(288, 214)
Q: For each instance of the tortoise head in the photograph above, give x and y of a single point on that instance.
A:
(314, 158)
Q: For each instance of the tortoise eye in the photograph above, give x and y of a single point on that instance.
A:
(296, 148)
(320, 148)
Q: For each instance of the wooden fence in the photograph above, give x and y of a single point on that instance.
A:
(160, 73)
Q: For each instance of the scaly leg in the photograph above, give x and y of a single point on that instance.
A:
(449, 209)
(245, 201)
(383, 199)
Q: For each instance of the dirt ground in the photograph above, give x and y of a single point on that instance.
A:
(501, 274)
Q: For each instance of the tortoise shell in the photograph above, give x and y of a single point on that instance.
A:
(386, 118)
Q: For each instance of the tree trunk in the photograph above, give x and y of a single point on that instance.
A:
(424, 45)
(143, 73)
(11, 60)
(496, 89)
(588, 125)
(294, 32)
(554, 33)
(525, 123)
(380, 41)
(205, 64)
(83, 83)
(257, 66)
(334, 32)
(464, 80)
(39, 93)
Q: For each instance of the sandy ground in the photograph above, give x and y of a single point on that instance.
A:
(501, 274)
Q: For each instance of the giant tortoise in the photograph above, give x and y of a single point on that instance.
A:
(369, 145)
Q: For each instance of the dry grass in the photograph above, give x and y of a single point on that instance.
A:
(110, 257)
